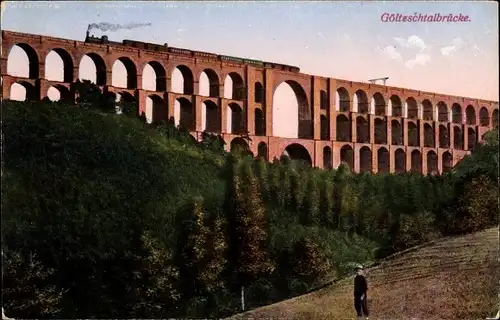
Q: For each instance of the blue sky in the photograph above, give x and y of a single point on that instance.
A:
(336, 39)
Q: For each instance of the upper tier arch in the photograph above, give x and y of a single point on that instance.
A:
(413, 103)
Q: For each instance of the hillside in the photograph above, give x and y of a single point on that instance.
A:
(162, 226)
(84, 192)
(455, 278)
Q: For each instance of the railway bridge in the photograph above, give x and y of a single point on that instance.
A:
(370, 127)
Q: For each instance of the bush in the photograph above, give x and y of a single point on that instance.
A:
(309, 263)
(414, 230)
(30, 287)
(477, 206)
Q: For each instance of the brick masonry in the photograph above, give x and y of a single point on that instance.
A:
(370, 127)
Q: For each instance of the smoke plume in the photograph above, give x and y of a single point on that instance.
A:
(105, 26)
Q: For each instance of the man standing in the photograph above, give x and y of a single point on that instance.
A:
(360, 289)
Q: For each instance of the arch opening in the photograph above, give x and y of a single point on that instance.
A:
(343, 128)
(236, 120)
(125, 96)
(470, 115)
(427, 110)
(186, 114)
(290, 103)
(299, 153)
(22, 61)
(447, 161)
(365, 159)
(443, 115)
(471, 138)
(259, 92)
(399, 161)
(413, 135)
(240, 146)
(154, 77)
(124, 73)
(429, 136)
(212, 117)
(59, 66)
(397, 107)
(343, 100)
(327, 158)
(380, 131)
(234, 87)
(458, 138)
(158, 107)
(484, 117)
(363, 104)
(182, 80)
(379, 103)
(444, 137)
(347, 156)
(416, 161)
(260, 122)
(325, 128)
(23, 91)
(383, 160)
(124, 101)
(324, 100)
(209, 84)
(456, 113)
(262, 151)
(494, 116)
(396, 133)
(412, 108)
(59, 93)
(432, 162)
(93, 68)
(362, 130)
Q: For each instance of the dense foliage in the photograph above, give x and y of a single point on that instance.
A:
(105, 216)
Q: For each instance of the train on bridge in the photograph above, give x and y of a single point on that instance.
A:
(180, 51)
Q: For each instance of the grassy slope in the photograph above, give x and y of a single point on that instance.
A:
(455, 278)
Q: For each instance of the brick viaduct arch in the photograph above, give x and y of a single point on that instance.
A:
(367, 126)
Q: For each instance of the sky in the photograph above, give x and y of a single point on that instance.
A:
(346, 40)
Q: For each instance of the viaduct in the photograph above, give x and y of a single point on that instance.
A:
(372, 128)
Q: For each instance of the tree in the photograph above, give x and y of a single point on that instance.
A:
(129, 108)
(310, 206)
(414, 229)
(87, 93)
(29, 289)
(477, 206)
(192, 243)
(262, 172)
(326, 202)
(309, 263)
(296, 194)
(484, 158)
(283, 184)
(201, 249)
(246, 216)
(158, 293)
(213, 142)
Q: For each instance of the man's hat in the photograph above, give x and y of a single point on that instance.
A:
(358, 267)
